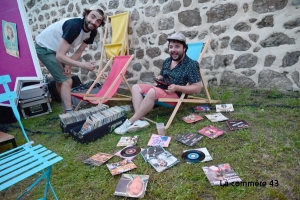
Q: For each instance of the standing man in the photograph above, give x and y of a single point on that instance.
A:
(53, 44)
(176, 72)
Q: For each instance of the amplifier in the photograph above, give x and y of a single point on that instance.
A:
(36, 106)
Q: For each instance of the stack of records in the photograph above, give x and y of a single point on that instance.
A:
(101, 118)
(76, 116)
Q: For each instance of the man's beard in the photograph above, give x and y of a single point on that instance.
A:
(180, 56)
(86, 26)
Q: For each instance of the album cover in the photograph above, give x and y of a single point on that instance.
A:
(159, 140)
(224, 108)
(217, 117)
(221, 174)
(189, 139)
(163, 161)
(88, 126)
(126, 141)
(203, 108)
(151, 152)
(211, 131)
(192, 118)
(129, 152)
(98, 159)
(120, 167)
(132, 185)
(237, 124)
(207, 156)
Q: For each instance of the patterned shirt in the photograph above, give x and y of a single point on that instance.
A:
(186, 71)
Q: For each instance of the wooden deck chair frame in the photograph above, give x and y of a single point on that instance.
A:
(123, 18)
(190, 99)
(24, 161)
(93, 97)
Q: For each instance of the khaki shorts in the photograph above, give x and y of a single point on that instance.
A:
(159, 93)
(48, 58)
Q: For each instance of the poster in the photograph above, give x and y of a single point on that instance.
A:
(10, 38)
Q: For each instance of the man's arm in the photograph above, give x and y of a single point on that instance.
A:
(61, 56)
(188, 89)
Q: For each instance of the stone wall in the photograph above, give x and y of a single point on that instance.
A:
(254, 43)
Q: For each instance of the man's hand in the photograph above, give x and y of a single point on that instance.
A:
(171, 89)
(89, 66)
(67, 71)
(159, 77)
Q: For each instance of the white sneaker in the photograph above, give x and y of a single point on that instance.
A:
(123, 128)
(138, 125)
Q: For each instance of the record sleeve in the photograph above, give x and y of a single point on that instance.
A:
(126, 141)
(163, 161)
(151, 152)
(216, 117)
(221, 174)
(159, 140)
(120, 167)
(211, 132)
(132, 185)
(98, 159)
(202, 108)
(189, 139)
(224, 108)
(237, 124)
(192, 118)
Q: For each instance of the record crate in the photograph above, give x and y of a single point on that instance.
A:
(97, 133)
(88, 125)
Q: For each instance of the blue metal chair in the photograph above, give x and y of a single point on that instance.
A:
(26, 160)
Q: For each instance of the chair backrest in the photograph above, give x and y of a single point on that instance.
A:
(114, 79)
(11, 96)
(194, 50)
(119, 35)
(119, 25)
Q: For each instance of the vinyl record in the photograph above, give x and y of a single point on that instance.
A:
(130, 151)
(193, 156)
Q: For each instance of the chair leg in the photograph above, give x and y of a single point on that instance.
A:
(46, 174)
(78, 105)
(173, 115)
(14, 143)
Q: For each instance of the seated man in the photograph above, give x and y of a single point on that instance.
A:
(177, 71)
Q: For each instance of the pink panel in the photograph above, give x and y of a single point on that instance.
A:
(15, 67)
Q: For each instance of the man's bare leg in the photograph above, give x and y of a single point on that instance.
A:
(137, 97)
(66, 94)
(145, 106)
(58, 88)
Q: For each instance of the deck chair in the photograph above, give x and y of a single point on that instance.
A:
(119, 37)
(24, 161)
(111, 84)
(196, 52)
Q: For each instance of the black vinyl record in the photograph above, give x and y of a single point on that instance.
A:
(130, 151)
(193, 156)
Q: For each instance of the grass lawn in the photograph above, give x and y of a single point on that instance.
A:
(268, 152)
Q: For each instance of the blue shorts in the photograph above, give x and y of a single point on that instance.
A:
(48, 58)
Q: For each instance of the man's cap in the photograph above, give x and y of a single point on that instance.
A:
(95, 8)
(177, 36)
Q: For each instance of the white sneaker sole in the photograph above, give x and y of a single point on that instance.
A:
(133, 129)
